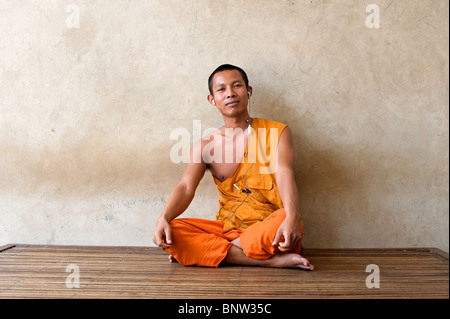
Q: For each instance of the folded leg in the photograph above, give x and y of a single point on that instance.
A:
(200, 242)
(256, 242)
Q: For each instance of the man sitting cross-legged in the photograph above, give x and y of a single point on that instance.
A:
(259, 222)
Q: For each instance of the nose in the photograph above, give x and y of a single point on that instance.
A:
(230, 92)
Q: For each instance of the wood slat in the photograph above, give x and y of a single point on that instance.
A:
(29, 271)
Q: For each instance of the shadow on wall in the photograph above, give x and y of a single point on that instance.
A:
(325, 183)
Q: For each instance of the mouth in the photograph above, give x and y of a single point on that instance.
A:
(232, 103)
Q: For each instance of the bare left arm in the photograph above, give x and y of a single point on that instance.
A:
(288, 234)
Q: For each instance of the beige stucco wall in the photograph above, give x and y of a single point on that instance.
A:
(86, 113)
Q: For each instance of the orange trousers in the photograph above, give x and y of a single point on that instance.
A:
(203, 242)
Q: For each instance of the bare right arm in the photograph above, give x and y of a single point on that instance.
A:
(179, 199)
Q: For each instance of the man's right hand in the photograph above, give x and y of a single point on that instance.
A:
(163, 234)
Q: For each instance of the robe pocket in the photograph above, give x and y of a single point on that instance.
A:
(262, 190)
(259, 183)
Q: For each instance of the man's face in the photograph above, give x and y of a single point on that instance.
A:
(230, 93)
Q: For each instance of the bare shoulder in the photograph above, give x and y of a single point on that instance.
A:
(285, 149)
(286, 134)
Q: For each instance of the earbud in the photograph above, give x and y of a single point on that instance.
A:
(249, 128)
(214, 102)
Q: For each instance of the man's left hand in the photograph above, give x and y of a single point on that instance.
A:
(288, 235)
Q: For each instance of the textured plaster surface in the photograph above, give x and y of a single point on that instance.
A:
(86, 113)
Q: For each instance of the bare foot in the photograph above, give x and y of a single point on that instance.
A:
(289, 260)
(172, 259)
(236, 256)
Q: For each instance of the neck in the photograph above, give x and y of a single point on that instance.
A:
(235, 122)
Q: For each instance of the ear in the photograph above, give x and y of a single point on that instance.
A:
(210, 99)
(250, 90)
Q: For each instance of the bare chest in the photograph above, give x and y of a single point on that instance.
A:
(224, 153)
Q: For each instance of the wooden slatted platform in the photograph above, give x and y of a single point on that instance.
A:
(28, 271)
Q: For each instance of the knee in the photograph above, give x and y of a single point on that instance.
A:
(174, 222)
(179, 222)
(176, 226)
(278, 216)
(181, 226)
(280, 212)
